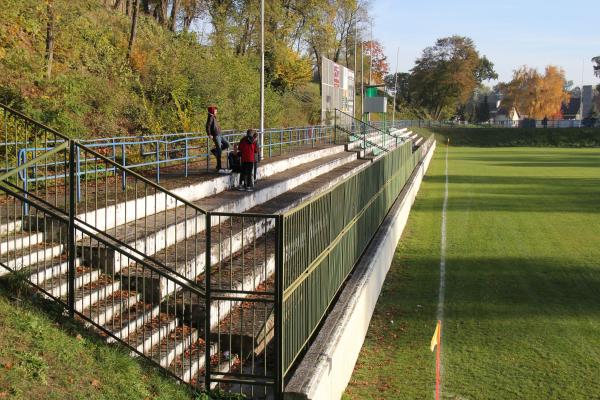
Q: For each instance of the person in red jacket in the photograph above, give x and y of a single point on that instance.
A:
(248, 150)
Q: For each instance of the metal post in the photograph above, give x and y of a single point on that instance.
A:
(207, 303)
(364, 144)
(355, 58)
(335, 127)
(186, 156)
(362, 80)
(371, 57)
(25, 184)
(123, 163)
(158, 161)
(71, 233)
(78, 174)
(395, 89)
(279, 331)
(262, 77)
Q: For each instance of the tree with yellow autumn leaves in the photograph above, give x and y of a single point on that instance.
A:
(535, 95)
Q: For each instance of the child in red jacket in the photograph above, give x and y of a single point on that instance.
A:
(248, 150)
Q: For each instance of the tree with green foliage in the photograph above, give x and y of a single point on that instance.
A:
(163, 86)
(400, 84)
(49, 38)
(446, 75)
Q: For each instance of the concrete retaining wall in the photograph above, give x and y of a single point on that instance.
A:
(326, 368)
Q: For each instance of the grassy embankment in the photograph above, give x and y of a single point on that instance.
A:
(522, 311)
(164, 86)
(45, 356)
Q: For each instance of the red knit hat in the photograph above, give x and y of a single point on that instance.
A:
(212, 109)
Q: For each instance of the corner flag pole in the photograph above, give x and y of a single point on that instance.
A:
(437, 363)
(436, 341)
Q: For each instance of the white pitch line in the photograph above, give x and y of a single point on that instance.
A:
(442, 289)
(440, 308)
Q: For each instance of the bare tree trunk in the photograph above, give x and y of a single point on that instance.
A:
(187, 21)
(174, 12)
(134, 18)
(318, 59)
(164, 12)
(128, 8)
(49, 40)
(117, 5)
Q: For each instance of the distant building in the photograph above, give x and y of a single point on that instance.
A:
(506, 117)
(493, 100)
(579, 107)
(572, 109)
(588, 101)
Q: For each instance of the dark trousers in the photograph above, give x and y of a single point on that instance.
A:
(247, 169)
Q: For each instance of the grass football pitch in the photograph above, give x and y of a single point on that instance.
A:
(522, 297)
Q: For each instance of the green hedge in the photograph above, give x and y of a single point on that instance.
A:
(508, 137)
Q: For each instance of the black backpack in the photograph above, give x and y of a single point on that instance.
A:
(234, 161)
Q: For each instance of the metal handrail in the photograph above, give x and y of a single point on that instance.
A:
(166, 144)
(364, 134)
(59, 217)
(141, 177)
(138, 257)
(22, 167)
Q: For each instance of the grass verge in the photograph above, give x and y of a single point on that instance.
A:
(522, 312)
(46, 356)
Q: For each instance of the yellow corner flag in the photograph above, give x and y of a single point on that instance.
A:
(435, 338)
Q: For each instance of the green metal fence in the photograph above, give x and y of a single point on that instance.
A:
(323, 240)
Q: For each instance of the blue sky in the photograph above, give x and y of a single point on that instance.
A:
(510, 33)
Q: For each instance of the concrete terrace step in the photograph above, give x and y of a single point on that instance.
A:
(239, 268)
(18, 259)
(19, 240)
(151, 235)
(105, 310)
(131, 318)
(358, 142)
(193, 362)
(10, 227)
(173, 345)
(377, 141)
(190, 368)
(48, 270)
(399, 132)
(132, 209)
(94, 292)
(151, 333)
(189, 258)
(57, 286)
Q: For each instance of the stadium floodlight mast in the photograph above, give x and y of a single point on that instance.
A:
(395, 88)
(262, 77)
(355, 60)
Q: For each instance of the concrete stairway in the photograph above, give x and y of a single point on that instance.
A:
(150, 312)
(159, 323)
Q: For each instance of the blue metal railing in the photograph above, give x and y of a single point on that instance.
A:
(157, 151)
